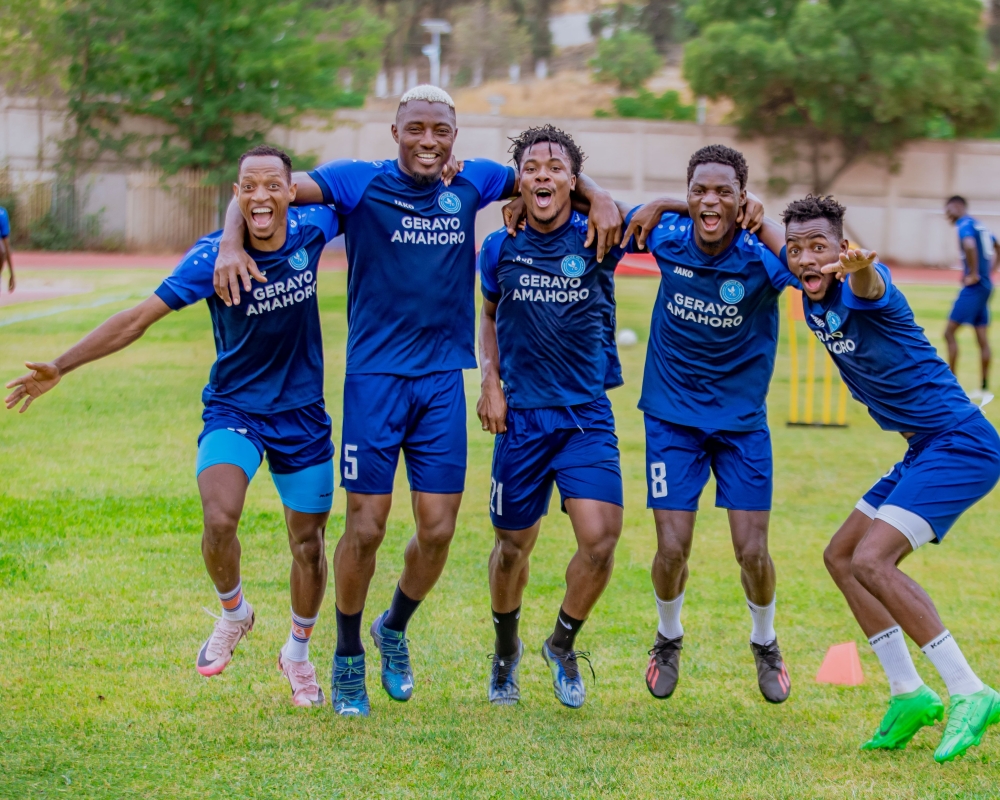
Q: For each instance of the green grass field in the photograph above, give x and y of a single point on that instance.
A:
(102, 585)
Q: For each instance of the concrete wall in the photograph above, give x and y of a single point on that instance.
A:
(897, 212)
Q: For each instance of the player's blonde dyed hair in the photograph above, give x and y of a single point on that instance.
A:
(432, 94)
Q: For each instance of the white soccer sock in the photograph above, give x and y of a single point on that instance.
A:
(234, 608)
(297, 646)
(763, 622)
(890, 647)
(951, 664)
(670, 616)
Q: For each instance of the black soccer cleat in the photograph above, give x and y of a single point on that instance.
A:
(772, 674)
(664, 666)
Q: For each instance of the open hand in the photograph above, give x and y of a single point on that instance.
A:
(643, 221)
(604, 223)
(232, 267)
(41, 379)
(851, 261)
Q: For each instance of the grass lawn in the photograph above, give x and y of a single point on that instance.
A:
(102, 585)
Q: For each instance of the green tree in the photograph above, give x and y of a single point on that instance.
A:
(627, 57)
(844, 78)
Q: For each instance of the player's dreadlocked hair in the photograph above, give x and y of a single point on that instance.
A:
(817, 207)
(720, 154)
(547, 133)
(267, 150)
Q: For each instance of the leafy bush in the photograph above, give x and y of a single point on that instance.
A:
(650, 106)
(628, 58)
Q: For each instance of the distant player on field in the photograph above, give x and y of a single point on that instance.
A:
(5, 251)
(547, 352)
(980, 252)
(712, 345)
(952, 461)
(411, 331)
(264, 397)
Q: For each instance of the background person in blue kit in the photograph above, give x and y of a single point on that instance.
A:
(952, 461)
(712, 345)
(6, 254)
(411, 331)
(264, 397)
(548, 355)
(980, 252)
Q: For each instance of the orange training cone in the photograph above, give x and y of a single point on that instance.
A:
(842, 665)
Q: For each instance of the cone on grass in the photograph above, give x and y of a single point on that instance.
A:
(841, 666)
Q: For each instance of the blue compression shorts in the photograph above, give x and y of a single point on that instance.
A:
(423, 416)
(573, 447)
(679, 457)
(972, 306)
(940, 477)
(297, 445)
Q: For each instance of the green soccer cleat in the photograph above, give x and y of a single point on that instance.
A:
(968, 717)
(906, 715)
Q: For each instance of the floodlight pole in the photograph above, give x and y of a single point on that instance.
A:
(435, 27)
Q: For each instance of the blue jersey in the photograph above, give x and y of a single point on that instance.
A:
(886, 361)
(411, 256)
(4, 223)
(968, 228)
(714, 332)
(269, 348)
(555, 315)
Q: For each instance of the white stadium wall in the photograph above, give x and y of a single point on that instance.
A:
(895, 211)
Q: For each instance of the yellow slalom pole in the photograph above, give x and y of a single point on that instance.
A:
(842, 405)
(793, 352)
(810, 378)
(827, 388)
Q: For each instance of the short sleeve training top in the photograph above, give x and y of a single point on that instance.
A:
(555, 315)
(269, 347)
(714, 331)
(411, 256)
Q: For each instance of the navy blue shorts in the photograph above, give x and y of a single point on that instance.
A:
(679, 457)
(297, 445)
(940, 477)
(972, 306)
(423, 416)
(574, 447)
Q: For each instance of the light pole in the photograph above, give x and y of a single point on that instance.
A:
(435, 27)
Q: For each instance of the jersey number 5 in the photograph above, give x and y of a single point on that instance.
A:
(350, 468)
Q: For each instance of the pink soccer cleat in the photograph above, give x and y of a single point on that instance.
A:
(217, 651)
(302, 677)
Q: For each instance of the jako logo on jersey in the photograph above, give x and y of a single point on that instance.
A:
(449, 202)
(833, 321)
(731, 291)
(687, 273)
(299, 259)
(573, 266)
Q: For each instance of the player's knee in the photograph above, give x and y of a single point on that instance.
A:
(601, 556)
(436, 536)
(310, 552)
(753, 557)
(838, 564)
(671, 553)
(867, 571)
(220, 526)
(509, 556)
(365, 538)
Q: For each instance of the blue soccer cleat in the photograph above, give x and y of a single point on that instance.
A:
(347, 686)
(397, 672)
(566, 678)
(503, 688)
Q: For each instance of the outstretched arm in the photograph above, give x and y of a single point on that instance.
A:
(111, 336)
(234, 266)
(492, 406)
(859, 267)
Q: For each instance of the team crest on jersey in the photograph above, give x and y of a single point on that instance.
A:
(449, 202)
(573, 266)
(833, 321)
(299, 259)
(732, 292)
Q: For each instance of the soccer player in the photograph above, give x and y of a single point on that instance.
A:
(980, 252)
(952, 461)
(712, 345)
(5, 251)
(264, 396)
(411, 328)
(548, 354)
